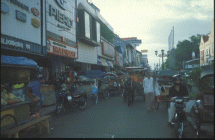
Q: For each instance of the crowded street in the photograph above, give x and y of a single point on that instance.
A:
(107, 69)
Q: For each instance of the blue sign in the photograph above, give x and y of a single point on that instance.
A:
(21, 16)
(4, 8)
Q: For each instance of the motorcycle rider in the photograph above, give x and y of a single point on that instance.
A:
(178, 89)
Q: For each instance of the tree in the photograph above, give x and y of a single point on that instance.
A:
(184, 49)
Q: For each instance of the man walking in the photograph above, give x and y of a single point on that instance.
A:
(149, 91)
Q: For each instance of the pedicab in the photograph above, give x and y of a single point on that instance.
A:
(164, 80)
(204, 107)
(15, 106)
(139, 72)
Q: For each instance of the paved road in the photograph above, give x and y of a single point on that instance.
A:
(112, 118)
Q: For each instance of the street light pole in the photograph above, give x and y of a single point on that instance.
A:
(162, 51)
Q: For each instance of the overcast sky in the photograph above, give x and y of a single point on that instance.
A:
(152, 20)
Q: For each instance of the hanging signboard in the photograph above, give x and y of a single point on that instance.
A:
(107, 49)
(61, 49)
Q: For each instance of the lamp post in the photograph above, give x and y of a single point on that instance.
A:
(162, 52)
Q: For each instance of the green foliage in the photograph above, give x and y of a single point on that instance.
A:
(184, 49)
(107, 33)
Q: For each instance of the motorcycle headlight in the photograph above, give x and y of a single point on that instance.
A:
(179, 100)
(69, 98)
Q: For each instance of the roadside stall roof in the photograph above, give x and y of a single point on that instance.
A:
(17, 61)
(209, 71)
(94, 73)
(168, 73)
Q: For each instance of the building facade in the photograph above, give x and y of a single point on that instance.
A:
(206, 49)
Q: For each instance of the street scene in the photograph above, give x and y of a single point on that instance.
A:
(107, 69)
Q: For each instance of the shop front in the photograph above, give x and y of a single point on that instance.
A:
(62, 48)
(23, 35)
(106, 54)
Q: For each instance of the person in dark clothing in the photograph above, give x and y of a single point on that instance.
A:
(178, 89)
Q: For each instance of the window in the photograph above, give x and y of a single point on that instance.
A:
(87, 25)
(98, 32)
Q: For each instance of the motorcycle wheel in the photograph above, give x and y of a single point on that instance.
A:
(177, 127)
(83, 99)
(106, 95)
(59, 107)
(96, 98)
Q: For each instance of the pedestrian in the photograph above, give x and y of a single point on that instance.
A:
(149, 92)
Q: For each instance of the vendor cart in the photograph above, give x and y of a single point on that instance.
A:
(15, 110)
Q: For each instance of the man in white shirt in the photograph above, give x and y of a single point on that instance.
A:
(149, 91)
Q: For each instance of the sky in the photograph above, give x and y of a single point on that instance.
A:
(152, 21)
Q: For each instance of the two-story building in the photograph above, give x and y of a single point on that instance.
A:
(206, 49)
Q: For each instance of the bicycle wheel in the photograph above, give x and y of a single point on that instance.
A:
(7, 122)
(156, 103)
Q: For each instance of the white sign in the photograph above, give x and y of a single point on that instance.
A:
(60, 49)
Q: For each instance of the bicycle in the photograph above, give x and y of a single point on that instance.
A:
(94, 97)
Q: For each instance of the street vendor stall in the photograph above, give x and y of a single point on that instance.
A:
(15, 104)
(139, 72)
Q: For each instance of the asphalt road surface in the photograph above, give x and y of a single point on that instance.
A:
(112, 118)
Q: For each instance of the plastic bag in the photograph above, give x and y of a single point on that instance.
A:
(95, 90)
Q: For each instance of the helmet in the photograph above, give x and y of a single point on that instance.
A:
(176, 78)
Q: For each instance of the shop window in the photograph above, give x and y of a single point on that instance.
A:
(89, 28)
(87, 24)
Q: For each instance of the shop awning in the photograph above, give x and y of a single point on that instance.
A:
(104, 63)
(19, 61)
(110, 63)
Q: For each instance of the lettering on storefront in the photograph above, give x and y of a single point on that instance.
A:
(14, 43)
(62, 51)
(59, 16)
(21, 5)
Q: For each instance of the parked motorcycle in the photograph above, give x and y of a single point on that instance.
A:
(180, 117)
(68, 99)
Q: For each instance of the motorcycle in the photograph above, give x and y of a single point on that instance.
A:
(180, 118)
(67, 99)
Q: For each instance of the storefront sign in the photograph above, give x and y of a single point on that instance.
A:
(35, 11)
(59, 16)
(202, 55)
(9, 42)
(61, 49)
(107, 49)
(20, 16)
(62, 4)
(35, 22)
(4, 8)
(23, 6)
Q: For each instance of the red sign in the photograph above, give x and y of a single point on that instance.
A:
(202, 55)
(107, 49)
(35, 11)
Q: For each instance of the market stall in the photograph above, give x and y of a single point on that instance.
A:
(15, 102)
